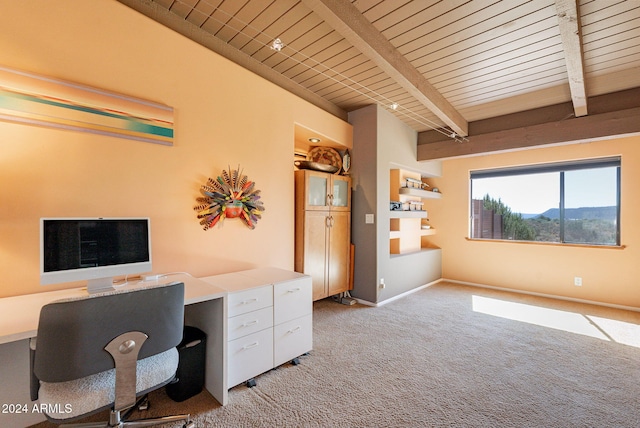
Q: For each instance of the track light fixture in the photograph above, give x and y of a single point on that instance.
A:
(277, 45)
(322, 69)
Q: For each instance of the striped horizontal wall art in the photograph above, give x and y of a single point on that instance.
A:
(38, 100)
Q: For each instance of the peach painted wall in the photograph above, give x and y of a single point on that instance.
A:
(224, 116)
(609, 276)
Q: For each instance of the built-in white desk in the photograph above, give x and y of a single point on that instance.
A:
(205, 308)
(20, 314)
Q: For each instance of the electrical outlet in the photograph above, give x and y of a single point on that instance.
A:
(382, 285)
(577, 281)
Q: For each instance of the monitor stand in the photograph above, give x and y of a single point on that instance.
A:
(100, 285)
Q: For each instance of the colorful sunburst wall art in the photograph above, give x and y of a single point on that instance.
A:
(230, 195)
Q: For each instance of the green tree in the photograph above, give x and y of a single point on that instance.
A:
(514, 226)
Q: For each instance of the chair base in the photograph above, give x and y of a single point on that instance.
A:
(116, 422)
(118, 419)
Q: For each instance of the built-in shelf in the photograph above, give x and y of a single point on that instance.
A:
(406, 233)
(420, 193)
(407, 214)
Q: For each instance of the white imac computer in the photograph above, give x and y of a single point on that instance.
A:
(93, 249)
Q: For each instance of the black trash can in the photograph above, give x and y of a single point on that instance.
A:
(190, 374)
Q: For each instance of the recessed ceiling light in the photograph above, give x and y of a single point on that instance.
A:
(314, 140)
(394, 106)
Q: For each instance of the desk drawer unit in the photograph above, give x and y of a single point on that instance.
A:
(269, 322)
(249, 333)
(293, 324)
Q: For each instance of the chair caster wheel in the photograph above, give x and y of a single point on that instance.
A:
(295, 361)
(251, 383)
(143, 404)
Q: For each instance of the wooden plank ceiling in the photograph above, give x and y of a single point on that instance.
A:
(438, 65)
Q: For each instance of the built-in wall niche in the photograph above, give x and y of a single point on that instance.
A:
(409, 199)
(306, 140)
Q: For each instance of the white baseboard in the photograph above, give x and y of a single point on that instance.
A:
(512, 290)
(549, 296)
(399, 296)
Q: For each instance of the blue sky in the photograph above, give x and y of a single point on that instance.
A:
(536, 193)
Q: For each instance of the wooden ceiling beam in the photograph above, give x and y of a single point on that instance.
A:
(571, 131)
(571, 35)
(612, 115)
(195, 33)
(347, 20)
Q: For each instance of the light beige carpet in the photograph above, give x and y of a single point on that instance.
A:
(448, 355)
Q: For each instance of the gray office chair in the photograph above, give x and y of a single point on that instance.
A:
(106, 351)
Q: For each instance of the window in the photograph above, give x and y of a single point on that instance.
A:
(570, 202)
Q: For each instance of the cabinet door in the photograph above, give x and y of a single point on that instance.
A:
(340, 193)
(339, 252)
(317, 190)
(315, 250)
(322, 191)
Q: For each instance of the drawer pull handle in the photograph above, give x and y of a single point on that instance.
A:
(293, 330)
(293, 290)
(250, 323)
(251, 345)
(246, 302)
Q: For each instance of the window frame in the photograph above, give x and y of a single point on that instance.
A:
(561, 168)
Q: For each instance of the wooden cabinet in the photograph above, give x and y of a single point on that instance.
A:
(323, 230)
(269, 321)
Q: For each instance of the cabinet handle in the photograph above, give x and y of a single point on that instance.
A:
(329, 199)
(293, 330)
(246, 302)
(251, 345)
(327, 221)
(249, 323)
(293, 290)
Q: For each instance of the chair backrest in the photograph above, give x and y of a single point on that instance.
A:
(72, 333)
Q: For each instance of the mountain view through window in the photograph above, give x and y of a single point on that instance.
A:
(574, 203)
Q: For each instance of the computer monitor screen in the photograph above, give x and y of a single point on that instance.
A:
(93, 249)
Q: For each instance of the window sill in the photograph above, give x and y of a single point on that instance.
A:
(557, 244)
